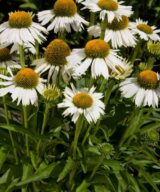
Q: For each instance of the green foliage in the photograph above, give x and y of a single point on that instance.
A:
(119, 153)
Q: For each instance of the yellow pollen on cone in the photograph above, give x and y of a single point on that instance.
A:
(145, 28)
(82, 100)
(148, 79)
(97, 48)
(109, 5)
(26, 78)
(56, 52)
(116, 24)
(65, 8)
(20, 19)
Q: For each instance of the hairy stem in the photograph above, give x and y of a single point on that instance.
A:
(79, 124)
(25, 120)
(21, 54)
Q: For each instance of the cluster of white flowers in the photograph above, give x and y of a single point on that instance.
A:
(99, 57)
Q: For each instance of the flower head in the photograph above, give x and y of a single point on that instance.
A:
(82, 102)
(153, 47)
(65, 8)
(20, 29)
(23, 86)
(124, 71)
(63, 17)
(109, 9)
(145, 31)
(55, 61)
(20, 19)
(51, 93)
(145, 88)
(119, 33)
(26, 78)
(99, 56)
(56, 52)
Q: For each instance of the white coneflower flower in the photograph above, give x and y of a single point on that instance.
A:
(145, 89)
(124, 71)
(23, 86)
(82, 102)
(99, 56)
(50, 93)
(110, 8)
(63, 17)
(145, 31)
(153, 47)
(7, 59)
(119, 33)
(55, 61)
(21, 29)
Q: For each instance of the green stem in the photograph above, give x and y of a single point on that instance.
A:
(103, 85)
(91, 23)
(25, 119)
(45, 118)
(35, 189)
(79, 124)
(92, 18)
(97, 126)
(21, 54)
(103, 28)
(133, 125)
(106, 98)
(108, 92)
(135, 53)
(24, 189)
(96, 167)
(62, 35)
(10, 133)
(87, 133)
(90, 82)
(46, 112)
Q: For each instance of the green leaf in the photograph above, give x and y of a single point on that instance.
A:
(149, 180)
(83, 186)
(100, 188)
(3, 156)
(134, 183)
(70, 164)
(104, 180)
(121, 182)
(4, 177)
(149, 127)
(27, 170)
(115, 165)
(43, 174)
(94, 150)
(29, 6)
(18, 129)
(133, 126)
(12, 185)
